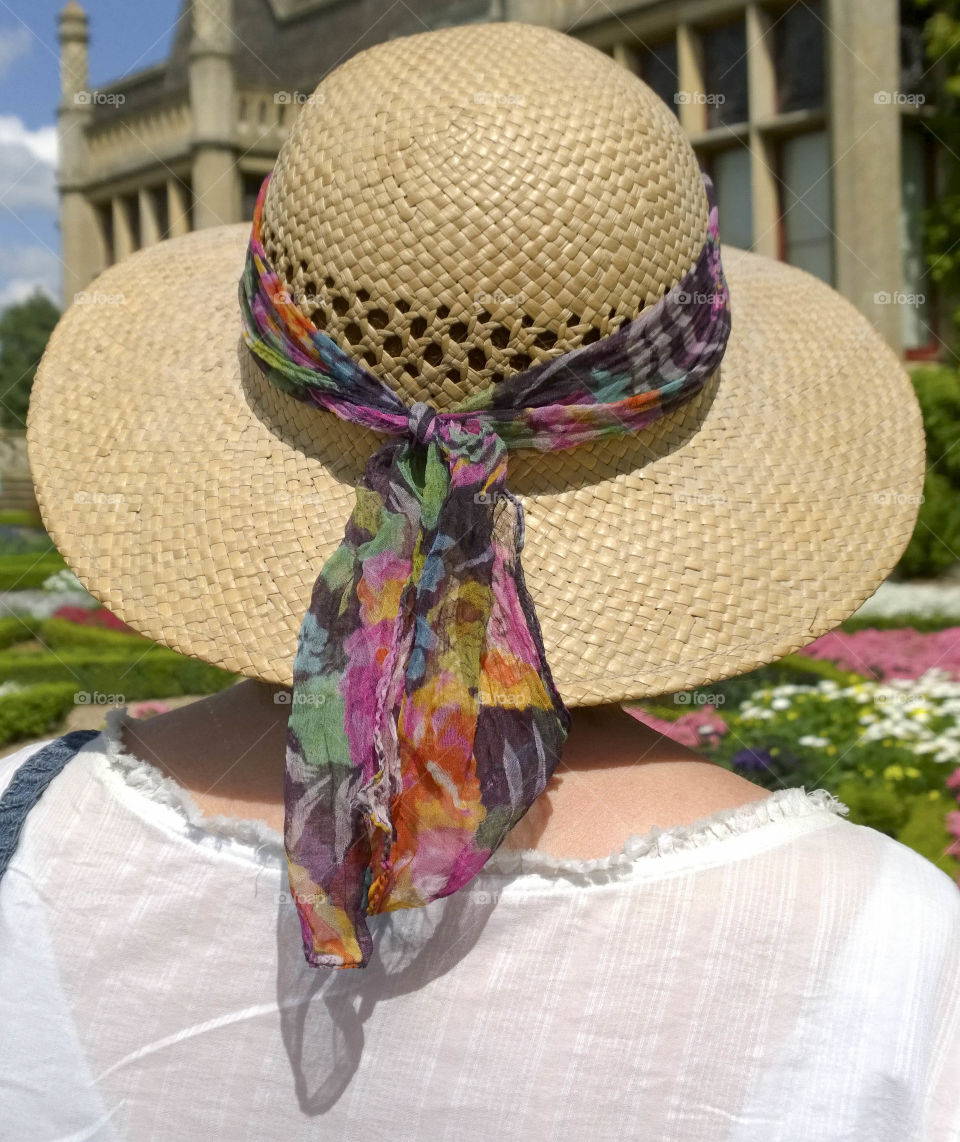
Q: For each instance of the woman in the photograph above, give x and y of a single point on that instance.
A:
(484, 241)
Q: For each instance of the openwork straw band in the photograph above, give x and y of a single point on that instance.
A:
(424, 719)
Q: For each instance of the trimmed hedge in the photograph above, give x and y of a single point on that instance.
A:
(923, 624)
(925, 831)
(13, 629)
(60, 634)
(21, 518)
(155, 673)
(937, 534)
(34, 712)
(27, 572)
(63, 665)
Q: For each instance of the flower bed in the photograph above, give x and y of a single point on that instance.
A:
(900, 600)
(92, 616)
(887, 654)
(885, 740)
(886, 749)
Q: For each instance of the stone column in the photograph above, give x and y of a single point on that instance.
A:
(149, 223)
(690, 84)
(627, 56)
(216, 180)
(82, 249)
(761, 83)
(123, 243)
(177, 208)
(863, 59)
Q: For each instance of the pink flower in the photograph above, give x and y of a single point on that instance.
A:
(97, 617)
(147, 709)
(686, 729)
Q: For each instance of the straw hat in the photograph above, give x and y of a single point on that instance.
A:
(451, 207)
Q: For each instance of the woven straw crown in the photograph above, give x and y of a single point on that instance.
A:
(449, 232)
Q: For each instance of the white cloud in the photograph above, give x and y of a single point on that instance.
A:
(28, 162)
(42, 143)
(14, 43)
(26, 269)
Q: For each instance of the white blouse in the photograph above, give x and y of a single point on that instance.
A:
(772, 972)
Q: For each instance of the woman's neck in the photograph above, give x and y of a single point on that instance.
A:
(615, 775)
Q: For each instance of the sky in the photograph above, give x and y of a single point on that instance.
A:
(125, 36)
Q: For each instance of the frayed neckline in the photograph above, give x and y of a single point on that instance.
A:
(266, 846)
(782, 805)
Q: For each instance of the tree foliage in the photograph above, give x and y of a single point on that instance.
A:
(24, 331)
(942, 222)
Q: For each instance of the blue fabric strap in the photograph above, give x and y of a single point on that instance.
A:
(28, 783)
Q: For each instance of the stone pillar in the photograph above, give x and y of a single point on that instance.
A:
(178, 208)
(627, 56)
(123, 243)
(762, 85)
(863, 59)
(690, 85)
(216, 180)
(149, 223)
(82, 250)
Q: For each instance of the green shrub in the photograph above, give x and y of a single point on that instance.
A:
(937, 533)
(154, 673)
(15, 517)
(880, 807)
(925, 831)
(25, 572)
(33, 712)
(924, 624)
(62, 665)
(15, 629)
(59, 634)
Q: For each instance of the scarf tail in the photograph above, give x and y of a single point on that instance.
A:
(440, 724)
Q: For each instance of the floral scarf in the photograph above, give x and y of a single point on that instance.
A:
(424, 718)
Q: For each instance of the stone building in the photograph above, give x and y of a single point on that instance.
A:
(812, 118)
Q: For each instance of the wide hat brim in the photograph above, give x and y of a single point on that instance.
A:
(198, 502)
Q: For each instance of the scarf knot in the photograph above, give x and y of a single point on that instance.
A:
(422, 422)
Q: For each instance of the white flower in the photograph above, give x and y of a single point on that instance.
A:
(813, 741)
(893, 599)
(926, 747)
(780, 704)
(64, 580)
